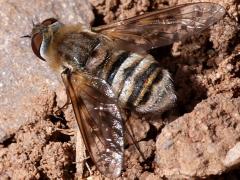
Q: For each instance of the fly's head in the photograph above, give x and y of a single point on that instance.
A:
(42, 35)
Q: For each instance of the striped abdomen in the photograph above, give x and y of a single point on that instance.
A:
(138, 81)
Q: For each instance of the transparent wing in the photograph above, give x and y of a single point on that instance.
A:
(99, 120)
(163, 27)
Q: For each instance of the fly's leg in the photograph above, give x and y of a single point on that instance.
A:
(81, 157)
(130, 133)
(60, 109)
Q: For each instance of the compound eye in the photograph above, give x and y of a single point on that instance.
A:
(49, 21)
(37, 37)
(36, 45)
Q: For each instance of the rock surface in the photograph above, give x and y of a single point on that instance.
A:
(203, 142)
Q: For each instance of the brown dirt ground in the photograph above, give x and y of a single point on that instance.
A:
(202, 67)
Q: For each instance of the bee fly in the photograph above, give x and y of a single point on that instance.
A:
(105, 70)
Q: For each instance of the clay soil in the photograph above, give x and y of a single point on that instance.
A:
(206, 72)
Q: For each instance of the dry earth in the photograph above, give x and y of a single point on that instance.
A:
(198, 138)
